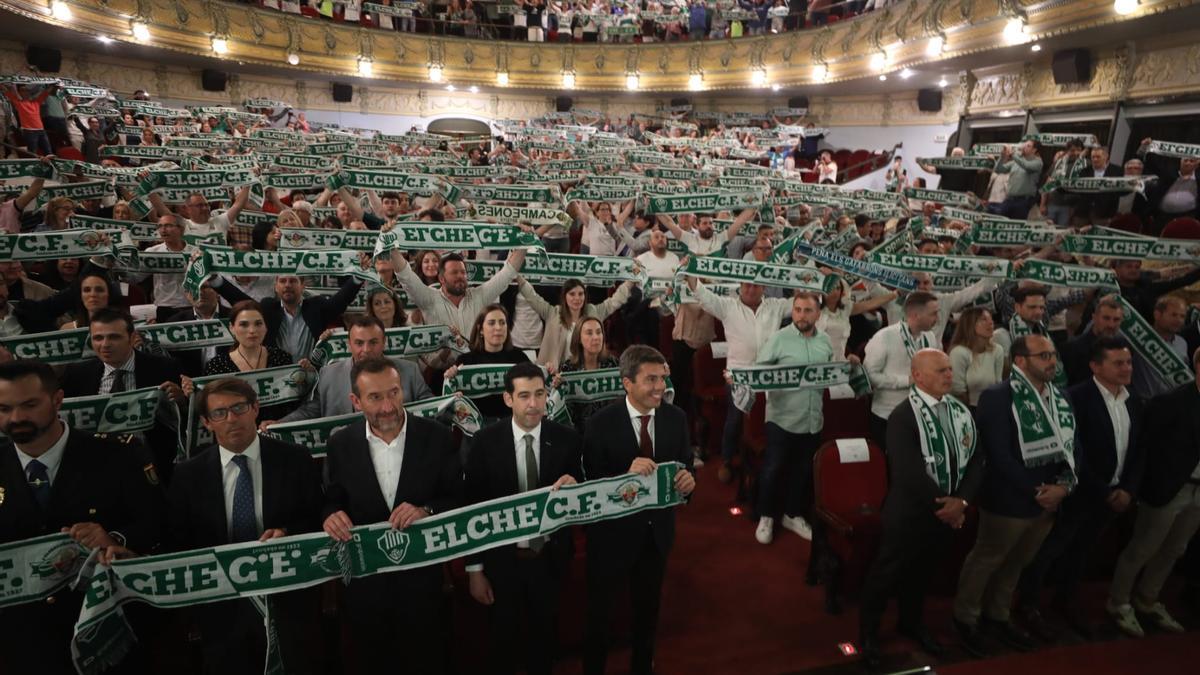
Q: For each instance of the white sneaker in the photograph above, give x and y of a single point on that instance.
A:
(1126, 619)
(1158, 613)
(798, 525)
(765, 533)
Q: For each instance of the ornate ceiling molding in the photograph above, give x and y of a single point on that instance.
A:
(846, 50)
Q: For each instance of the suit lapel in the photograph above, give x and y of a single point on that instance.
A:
(212, 488)
(68, 473)
(505, 461)
(271, 477)
(410, 464)
(366, 467)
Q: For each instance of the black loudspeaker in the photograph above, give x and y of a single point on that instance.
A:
(929, 100)
(342, 93)
(1072, 66)
(680, 101)
(564, 104)
(213, 80)
(45, 59)
(798, 102)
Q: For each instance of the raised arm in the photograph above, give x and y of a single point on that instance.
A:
(538, 303)
(738, 222)
(239, 203)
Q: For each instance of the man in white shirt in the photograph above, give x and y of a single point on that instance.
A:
(889, 355)
(750, 320)
(641, 312)
(702, 240)
(200, 221)
(454, 304)
(1109, 470)
(168, 287)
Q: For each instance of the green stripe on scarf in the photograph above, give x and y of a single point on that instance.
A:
(55, 347)
(1170, 366)
(122, 413)
(1045, 436)
(454, 235)
(399, 342)
(754, 272)
(938, 442)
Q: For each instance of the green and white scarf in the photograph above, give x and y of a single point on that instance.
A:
(859, 268)
(545, 194)
(1147, 343)
(55, 347)
(23, 168)
(1045, 434)
(1102, 184)
(1132, 247)
(982, 266)
(1071, 276)
(703, 202)
(188, 334)
(61, 244)
(138, 231)
(522, 214)
(601, 384)
(91, 189)
(122, 413)
(1173, 149)
(399, 342)
(747, 381)
(1018, 328)
(477, 381)
(957, 163)
(951, 197)
(255, 569)
(272, 386)
(912, 345)
(322, 238)
(225, 260)
(555, 268)
(942, 440)
(754, 272)
(1061, 140)
(454, 235)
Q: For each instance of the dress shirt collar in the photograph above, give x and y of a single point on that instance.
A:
(51, 458)
(519, 436)
(373, 438)
(127, 366)
(1109, 398)
(928, 399)
(252, 453)
(634, 414)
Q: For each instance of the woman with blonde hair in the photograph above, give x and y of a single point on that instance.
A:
(977, 360)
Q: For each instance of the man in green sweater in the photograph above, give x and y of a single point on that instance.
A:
(1025, 171)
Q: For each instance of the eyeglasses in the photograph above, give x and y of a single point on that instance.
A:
(238, 409)
(1044, 356)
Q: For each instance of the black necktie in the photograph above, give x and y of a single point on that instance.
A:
(39, 482)
(118, 381)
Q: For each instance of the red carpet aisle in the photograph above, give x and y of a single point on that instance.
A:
(732, 605)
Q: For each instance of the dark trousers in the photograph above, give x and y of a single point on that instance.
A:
(401, 616)
(681, 376)
(792, 455)
(240, 646)
(644, 579)
(528, 589)
(1080, 523)
(1017, 207)
(641, 321)
(36, 141)
(878, 428)
(908, 558)
(731, 437)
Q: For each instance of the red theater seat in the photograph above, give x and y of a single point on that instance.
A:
(848, 499)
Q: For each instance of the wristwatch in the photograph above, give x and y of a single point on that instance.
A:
(428, 511)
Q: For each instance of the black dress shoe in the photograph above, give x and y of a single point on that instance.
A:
(1010, 635)
(1037, 624)
(869, 650)
(972, 642)
(925, 639)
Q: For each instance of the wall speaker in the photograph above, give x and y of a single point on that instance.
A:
(929, 100)
(342, 93)
(680, 101)
(564, 104)
(798, 102)
(45, 59)
(1072, 66)
(213, 80)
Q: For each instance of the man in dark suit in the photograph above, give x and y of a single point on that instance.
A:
(293, 321)
(1018, 496)
(54, 478)
(204, 308)
(1109, 470)
(1106, 323)
(398, 469)
(1174, 194)
(245, 488)
(1168, 513)
(632, 436)
(507, 458)
(118, 367)
(1098, 207)
(920, 512)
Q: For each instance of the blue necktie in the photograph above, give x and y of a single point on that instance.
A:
(39, 482)
(245, 525)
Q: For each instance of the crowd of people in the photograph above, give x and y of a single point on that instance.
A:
(583, 21)
(559, 284)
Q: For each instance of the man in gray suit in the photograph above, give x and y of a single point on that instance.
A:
(332, 394)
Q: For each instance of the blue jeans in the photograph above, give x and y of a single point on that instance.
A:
(731, 438)
(36, 141)
(1059, 213)
(1017, 207)
(793, 455)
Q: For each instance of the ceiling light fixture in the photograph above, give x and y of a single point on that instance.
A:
(1014, 30)
(1125, 7)
(883, 78)
(1035, 48)
(435, 73)
(568, 80)
(632, 81)
(758, 77)
(104, 39)
(937, 45)
(220, 45)
(878, 61)
(366, 68)
(61, 11)
(293, 59)
(942, 83)
(695, 81)
(776, 87)
(450, 87)
(141, 32)
(907, 73)
(473, 89)
(502, 78)
(820, 72)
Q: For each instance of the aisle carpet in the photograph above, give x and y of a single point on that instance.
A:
(732, 605)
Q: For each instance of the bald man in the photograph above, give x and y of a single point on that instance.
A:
(933, 472)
